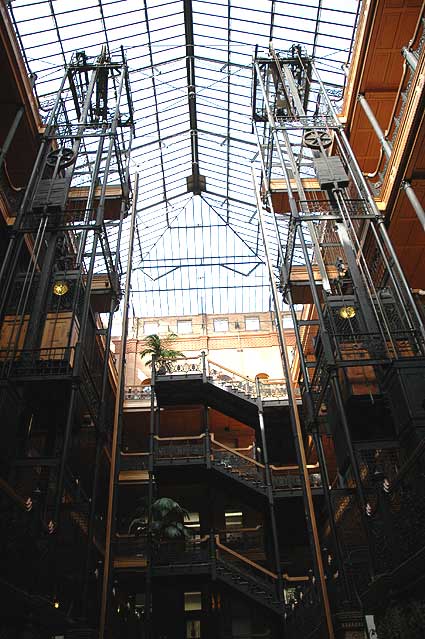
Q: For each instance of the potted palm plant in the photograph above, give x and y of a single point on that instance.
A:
(161, 352)
(168, 520)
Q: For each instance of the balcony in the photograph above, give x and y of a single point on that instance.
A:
(235, 464)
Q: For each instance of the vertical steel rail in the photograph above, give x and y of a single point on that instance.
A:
(292, 203)
(154, 425)
(79, 354)
(296, 422)
(117, 427)
(270, 499)
(101, 426)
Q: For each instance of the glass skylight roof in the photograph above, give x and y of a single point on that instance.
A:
(193, 253)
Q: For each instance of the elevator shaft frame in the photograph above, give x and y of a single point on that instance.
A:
(61, 270)
(319, 215)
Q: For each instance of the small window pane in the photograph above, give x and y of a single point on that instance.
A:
(150, 328)
(184, 327)
(193, 523)
(252, 323)
(233, 518)
(221, 325)
(192, 601)
(193, 629)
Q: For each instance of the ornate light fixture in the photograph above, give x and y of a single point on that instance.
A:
(347, 312)
(60, 288)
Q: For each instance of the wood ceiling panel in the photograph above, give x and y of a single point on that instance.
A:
(417, 160)
(361, 144)
(388, 29)
(377, 77)
(384, 62)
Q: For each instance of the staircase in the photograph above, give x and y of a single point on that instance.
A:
(248, 577)
(242, 469)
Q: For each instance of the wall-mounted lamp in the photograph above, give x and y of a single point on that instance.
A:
(60, 288)
(347, 312)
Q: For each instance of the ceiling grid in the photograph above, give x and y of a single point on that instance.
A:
(190, 68)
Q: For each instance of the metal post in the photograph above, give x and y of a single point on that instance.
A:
(101, 426)
(318, 444)
(296, 424)
(154, 424)
(206, 432)
(116, 433)
(386, 146)
(270, 499)
(414, 201)
(410, 57)
(204, 367)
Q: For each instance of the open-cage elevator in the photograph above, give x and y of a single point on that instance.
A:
(359, 365)
(60, 286)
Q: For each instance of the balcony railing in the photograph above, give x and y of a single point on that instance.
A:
(42, 362)
(288, 477)
(396, 512)
(134, 461)
(180, 366)
(247, 541)
(238, 463)
(180, 448)
(137, 392)
(230, 380)
(182, 552)
(409, 89)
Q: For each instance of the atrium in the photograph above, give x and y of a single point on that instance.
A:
(212, 324)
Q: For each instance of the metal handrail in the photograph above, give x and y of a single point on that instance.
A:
(233, 451)
(253, 564)
(163, 439)
(230, 370)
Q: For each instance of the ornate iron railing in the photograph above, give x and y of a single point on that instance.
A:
(230, 380)
(137, 392)
(396, 512)
(130, 546)
(238, 464)
(273, 390)
(373, 346)
(289, 477)
(42, 362)
(179, 448)
(181, 552)
(400, 106)
(248, 541)
(134, 461)
(253, 571)
(180, 366)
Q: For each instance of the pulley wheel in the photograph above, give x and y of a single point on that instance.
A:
(317, 140)
(66, 155)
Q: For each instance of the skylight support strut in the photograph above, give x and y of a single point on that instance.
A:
(196, 182)
(164, 187)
